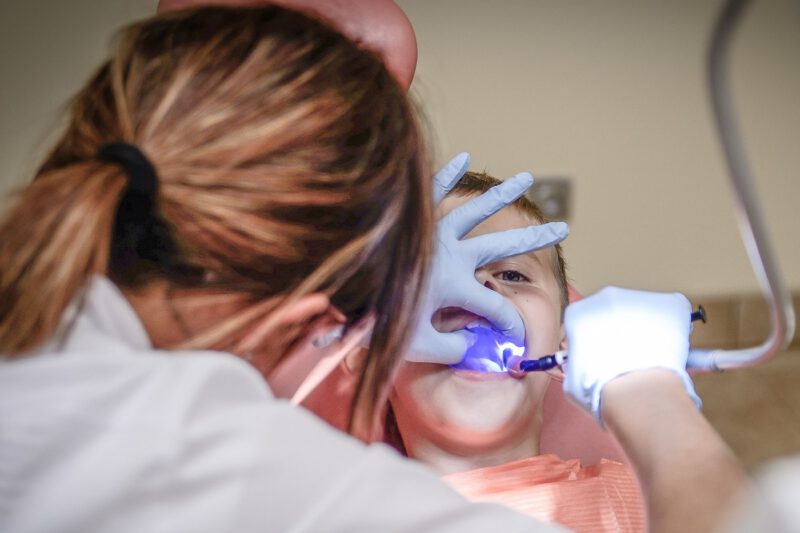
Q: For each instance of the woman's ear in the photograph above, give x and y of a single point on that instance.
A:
(556, 372)
(285, 316)
(354, 361)
(327, 359)
(324, 326)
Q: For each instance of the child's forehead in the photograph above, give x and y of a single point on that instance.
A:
(510, 217)
(457, 199)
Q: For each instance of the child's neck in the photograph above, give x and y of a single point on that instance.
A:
(456, 455)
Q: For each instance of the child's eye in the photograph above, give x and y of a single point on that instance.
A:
(512, 276)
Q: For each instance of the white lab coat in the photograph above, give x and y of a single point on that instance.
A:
(773, 502)
(100, 432)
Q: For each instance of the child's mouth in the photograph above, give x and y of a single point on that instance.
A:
(490, 352)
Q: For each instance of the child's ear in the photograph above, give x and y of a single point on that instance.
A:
(556, 372)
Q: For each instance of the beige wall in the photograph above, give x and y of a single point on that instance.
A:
(613, 94)
(608, 92)
(48, 48)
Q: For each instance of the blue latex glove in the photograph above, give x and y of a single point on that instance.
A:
(452, 280)
(618, 331)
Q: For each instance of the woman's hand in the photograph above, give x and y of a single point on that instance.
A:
(630, 348)
(619, 331)
(452, 282)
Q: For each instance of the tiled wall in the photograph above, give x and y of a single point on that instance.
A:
(756, 410)
(737, 321)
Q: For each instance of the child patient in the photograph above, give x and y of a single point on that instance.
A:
(481, 430)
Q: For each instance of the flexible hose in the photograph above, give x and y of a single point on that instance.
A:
(748, 213)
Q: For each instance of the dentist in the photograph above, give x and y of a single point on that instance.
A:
(238, 198)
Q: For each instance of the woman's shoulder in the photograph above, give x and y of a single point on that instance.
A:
(120, 386)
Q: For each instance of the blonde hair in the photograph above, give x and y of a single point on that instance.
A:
(289, 162)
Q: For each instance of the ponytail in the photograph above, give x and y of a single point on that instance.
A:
(52, 240)
(289, 163)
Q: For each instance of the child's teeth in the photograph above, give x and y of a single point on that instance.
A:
(479, 323)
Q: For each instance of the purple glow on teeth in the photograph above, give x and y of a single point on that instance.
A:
(490, 352)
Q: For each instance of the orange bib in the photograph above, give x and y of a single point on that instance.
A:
(602, 497)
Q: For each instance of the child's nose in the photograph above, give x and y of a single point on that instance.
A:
(487, 280)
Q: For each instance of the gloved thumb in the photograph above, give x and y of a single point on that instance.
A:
(441, 348)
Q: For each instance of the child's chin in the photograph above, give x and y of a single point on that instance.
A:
(479, 375)
(481, 399)
(471, 425)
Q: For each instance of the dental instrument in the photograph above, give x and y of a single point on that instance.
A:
(543, 363)
(557, 359)
(751, 221)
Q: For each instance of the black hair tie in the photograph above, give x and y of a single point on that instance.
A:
(141, 244)
(142, 179)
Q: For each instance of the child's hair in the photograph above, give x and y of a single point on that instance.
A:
(476, 183)
(289, 162)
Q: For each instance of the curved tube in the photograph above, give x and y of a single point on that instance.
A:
(751, 222)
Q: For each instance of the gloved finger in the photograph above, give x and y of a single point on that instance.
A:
(490, 305)
(441, 348)
(447, 177)
(467, 216)
(492, 247)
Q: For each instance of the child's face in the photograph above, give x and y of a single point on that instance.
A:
(475, 410)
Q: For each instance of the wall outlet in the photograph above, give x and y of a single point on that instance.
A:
(553, 196)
